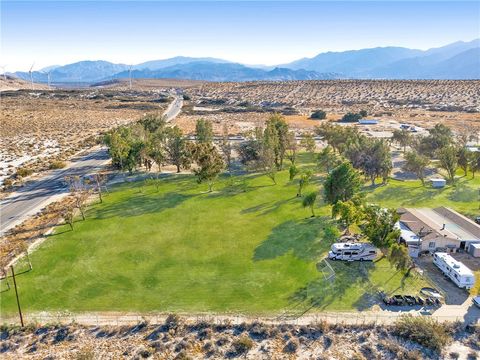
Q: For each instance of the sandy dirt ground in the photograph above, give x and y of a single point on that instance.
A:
(177, 339)
(41, 126)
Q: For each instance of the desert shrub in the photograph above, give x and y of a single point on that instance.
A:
(172, 321)
(57, 164)
(472, 356)
(424, 331)
(242, 345)
(318, 115)
(24, 171)
(291, 346)
(351, 117)
(7, 183)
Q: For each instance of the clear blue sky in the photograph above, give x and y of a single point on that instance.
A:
(48, 32)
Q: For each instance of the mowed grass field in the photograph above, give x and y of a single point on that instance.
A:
(248, 247)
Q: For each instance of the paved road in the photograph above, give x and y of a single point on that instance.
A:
(35, 195)
(39, 193)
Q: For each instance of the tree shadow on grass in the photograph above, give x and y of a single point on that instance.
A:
(463, 193)
(300, 237)
(323, 291)
(407, 195)
(140, 204)
(266, 207)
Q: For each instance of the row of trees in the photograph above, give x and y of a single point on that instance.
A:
(440, 144)
(371, 156)
(150, 141)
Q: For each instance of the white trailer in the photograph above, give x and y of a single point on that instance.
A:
(350, 251)
(461, 275)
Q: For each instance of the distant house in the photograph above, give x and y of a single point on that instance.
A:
(439, 229)
(438, 183)
(368, 122)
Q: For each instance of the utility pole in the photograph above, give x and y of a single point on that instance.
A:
(16, 293)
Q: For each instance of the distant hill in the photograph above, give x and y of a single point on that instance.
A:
(82, 71)
(178, 60)
(354, 61)
(400, 63)
(459, 60)
(204, 70)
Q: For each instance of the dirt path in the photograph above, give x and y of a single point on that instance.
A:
(465, 313)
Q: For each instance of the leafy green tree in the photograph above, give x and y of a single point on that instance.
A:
(308, 142)
(379, 226)
(439, 137)
(305, 178)
(463, 159)
(474, 162)
(342, 183)
(276, 136)
(327, 159)
(372, 156)
(318, 115)
(118, 142)
(293, 171)
(449, 161)
(209, 163)
(403, 137)
(309, 201)
(266, 163)
(292, 148)
(153, 123)
(204, 131)
(176, 148)
(348, 212)
(363, 113)
(399, 257)
(417, 164)
(226, 148)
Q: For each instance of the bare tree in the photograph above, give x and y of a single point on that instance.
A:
(68, 213)
(100, 179)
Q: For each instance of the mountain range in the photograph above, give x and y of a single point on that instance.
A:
(459, 60)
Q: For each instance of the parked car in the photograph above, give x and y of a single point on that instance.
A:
(476, 301)
(410, 300)
(419, 300)
(477, 219)
(398, 300)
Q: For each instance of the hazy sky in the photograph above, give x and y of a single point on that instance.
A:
(49, 32)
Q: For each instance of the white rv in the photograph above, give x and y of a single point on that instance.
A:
(350, 251)
(461, 275)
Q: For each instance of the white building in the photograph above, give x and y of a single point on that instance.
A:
(456, 271)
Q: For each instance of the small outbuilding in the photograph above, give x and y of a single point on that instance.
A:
(438, 183)
(368, 122)
(474, 249)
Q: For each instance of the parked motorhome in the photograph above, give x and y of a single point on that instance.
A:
(461, 275)
(350, 251)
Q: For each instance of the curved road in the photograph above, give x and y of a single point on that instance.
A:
(35, 195)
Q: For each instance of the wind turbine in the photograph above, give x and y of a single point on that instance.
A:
(130, 76)
(30, 72)
(48, 76)
(3, 72)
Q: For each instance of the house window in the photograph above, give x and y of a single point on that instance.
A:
(431, 244)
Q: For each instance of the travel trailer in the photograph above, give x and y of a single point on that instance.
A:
(350, 251)
(457, 272)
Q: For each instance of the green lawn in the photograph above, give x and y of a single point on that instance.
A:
(247, 247)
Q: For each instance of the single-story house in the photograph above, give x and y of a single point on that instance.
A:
(439, 229)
